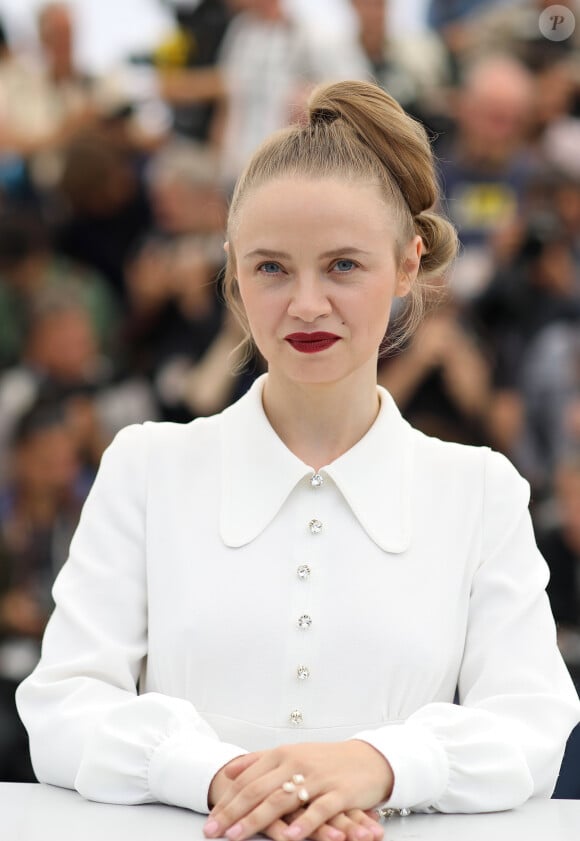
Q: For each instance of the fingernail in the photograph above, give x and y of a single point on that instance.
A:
(377, 831)
(211, 827)
(335, 833)
(234, 832)
(293, 831)
(363, 834)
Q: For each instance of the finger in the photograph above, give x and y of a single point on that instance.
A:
(323, 810)
(361, 827)
(354, 826)
(277, 830)
(258, 805)
(327, 832)
(247, 768)
(254, 770)
(239, 765)
(254, 807)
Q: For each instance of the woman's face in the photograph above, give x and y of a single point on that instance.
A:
(318, 256)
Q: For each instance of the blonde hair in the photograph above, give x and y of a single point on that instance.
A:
(356, 131)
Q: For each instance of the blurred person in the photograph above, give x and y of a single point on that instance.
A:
(487, 166)
(183, 188)
(108, 206)
(269, 61)
(559, 542)
(513, 27)
(550, 394)
(540, 287)
(441, 379)
(29, 266)
(14, 181)
(195, 44)
(411, 68)
(62, 359)
(40, 504)
(56, 34)
(177, 330)
(44, 103)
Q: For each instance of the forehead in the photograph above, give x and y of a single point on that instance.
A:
(301, 207)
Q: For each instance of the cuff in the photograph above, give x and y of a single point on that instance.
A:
(182, 768)
(418, 761)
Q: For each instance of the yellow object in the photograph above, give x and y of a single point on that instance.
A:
(176, 51)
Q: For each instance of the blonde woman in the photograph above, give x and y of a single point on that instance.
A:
(269, 613)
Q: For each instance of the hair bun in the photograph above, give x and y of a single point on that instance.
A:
(323, 115)
(439, 243)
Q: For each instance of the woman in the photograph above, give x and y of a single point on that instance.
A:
(300, 585)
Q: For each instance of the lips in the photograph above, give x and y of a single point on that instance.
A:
(311, 342)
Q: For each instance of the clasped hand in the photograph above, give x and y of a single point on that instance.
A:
(344, 782)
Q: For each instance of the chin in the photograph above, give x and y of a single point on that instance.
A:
(316, 375)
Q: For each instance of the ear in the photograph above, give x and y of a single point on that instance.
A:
(409, 267)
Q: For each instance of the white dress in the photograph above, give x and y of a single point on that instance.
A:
(220, 598)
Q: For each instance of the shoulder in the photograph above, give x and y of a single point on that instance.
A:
(480, 470)
(165, 435)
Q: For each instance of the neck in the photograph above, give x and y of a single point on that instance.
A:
(319, 423)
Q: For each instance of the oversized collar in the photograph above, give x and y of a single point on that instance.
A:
(259, 472)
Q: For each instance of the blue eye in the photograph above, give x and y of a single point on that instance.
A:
(269, 268)
(344, 265)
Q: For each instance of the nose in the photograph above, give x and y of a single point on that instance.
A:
(309, 298)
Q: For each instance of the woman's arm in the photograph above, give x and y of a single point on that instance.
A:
(88, 727)
(505, 741)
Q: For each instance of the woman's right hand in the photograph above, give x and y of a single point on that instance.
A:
(354, 825)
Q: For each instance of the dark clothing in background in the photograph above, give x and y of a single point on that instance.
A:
(564, 563)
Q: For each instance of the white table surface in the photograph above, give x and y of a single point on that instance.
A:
(44, 813)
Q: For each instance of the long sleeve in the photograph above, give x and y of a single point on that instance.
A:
(88, 727)
(504, 742)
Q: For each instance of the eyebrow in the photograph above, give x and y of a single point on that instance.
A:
(282, 255)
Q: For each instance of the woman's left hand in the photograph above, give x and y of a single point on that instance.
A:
(338, 777)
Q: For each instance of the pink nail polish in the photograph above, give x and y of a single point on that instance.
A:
(293, 832)
(336, 834)
(235, 832)
(211, 827)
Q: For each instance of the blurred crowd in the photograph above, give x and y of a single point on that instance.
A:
(113, 197)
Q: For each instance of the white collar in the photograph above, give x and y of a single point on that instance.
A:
(259, 472)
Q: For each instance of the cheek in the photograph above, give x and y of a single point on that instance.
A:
(261, 308)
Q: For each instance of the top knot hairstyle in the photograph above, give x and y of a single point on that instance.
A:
(357, 132)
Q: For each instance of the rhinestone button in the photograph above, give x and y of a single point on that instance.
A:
(302, 672)
(315, 526)
(304, 622)
(316, 480)
(296, 718)
(303, 572)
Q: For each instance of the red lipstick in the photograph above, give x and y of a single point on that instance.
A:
(311, 342)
